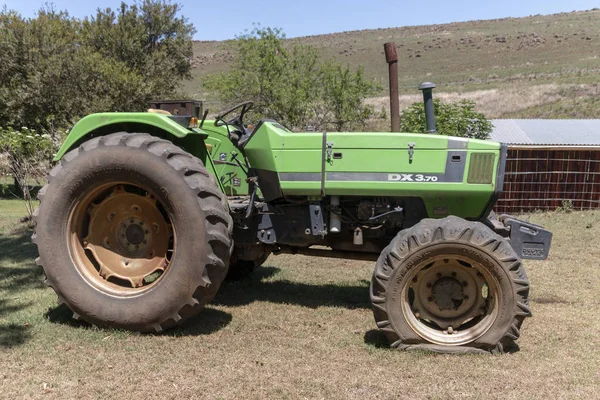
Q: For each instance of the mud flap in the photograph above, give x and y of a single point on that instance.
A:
(530, 241)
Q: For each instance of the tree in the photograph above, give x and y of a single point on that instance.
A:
(148, 37)
(291, 84)
(343, 92)
(451, 119)
(56, 69)
(51, 79)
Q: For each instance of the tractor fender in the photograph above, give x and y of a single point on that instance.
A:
(106, 123)
(159, 125)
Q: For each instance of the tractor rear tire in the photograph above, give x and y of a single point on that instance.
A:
(450, 286)
(133, 233)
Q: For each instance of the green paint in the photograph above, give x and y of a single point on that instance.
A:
(113, 122)
(157, 124)
(380, 156)
(364, 164)
(221, 147)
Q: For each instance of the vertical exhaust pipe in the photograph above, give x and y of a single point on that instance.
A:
(391, 56)
(427, 88)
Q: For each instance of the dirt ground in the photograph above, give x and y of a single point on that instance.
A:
(299, 328)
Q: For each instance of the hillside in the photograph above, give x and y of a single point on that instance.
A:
(516, 54)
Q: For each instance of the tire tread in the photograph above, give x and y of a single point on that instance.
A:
(219, 224)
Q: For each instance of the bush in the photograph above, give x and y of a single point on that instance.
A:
(29, 157)
(451, 119)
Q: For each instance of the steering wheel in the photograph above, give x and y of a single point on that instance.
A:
(238, 119)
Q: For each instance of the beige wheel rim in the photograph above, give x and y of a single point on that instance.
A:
(450, 300)
(120, 239)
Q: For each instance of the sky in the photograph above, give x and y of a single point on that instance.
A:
(220, 21)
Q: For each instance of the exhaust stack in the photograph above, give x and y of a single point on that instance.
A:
(427, 88)
(391, 56)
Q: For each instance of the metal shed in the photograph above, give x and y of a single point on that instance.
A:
(551, 163)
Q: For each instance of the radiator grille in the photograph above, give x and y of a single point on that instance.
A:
(481, 168)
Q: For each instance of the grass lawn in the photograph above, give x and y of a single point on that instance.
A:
(300, 328)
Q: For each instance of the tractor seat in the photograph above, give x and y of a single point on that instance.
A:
(158, 111)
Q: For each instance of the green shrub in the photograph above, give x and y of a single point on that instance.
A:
(451, 119)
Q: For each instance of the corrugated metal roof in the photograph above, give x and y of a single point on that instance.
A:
(565, 132)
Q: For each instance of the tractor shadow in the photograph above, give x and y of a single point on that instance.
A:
(206, 322)
(257, 287)
(377, 339)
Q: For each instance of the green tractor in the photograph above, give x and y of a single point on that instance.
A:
(145, 213)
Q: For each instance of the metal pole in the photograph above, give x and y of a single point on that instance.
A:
(391, 56)
(427, 88)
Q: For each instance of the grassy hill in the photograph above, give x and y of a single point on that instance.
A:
(512, 54)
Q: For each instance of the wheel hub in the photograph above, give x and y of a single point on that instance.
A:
(448, 293)
(134, 234)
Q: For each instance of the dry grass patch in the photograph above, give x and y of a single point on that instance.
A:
(541, 49)
(512, 100)
(300, 328)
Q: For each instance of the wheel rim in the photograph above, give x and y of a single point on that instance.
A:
(450, 300)
(121, 239)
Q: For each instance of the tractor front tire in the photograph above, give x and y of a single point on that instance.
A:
(450, 286)
(133, 233)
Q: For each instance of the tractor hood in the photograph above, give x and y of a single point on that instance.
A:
(452, 174)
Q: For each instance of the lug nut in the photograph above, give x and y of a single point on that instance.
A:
(454, 274)
(465, 283)
(430, 299)
(439, 275)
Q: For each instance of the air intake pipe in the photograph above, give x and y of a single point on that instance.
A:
(427, 89)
